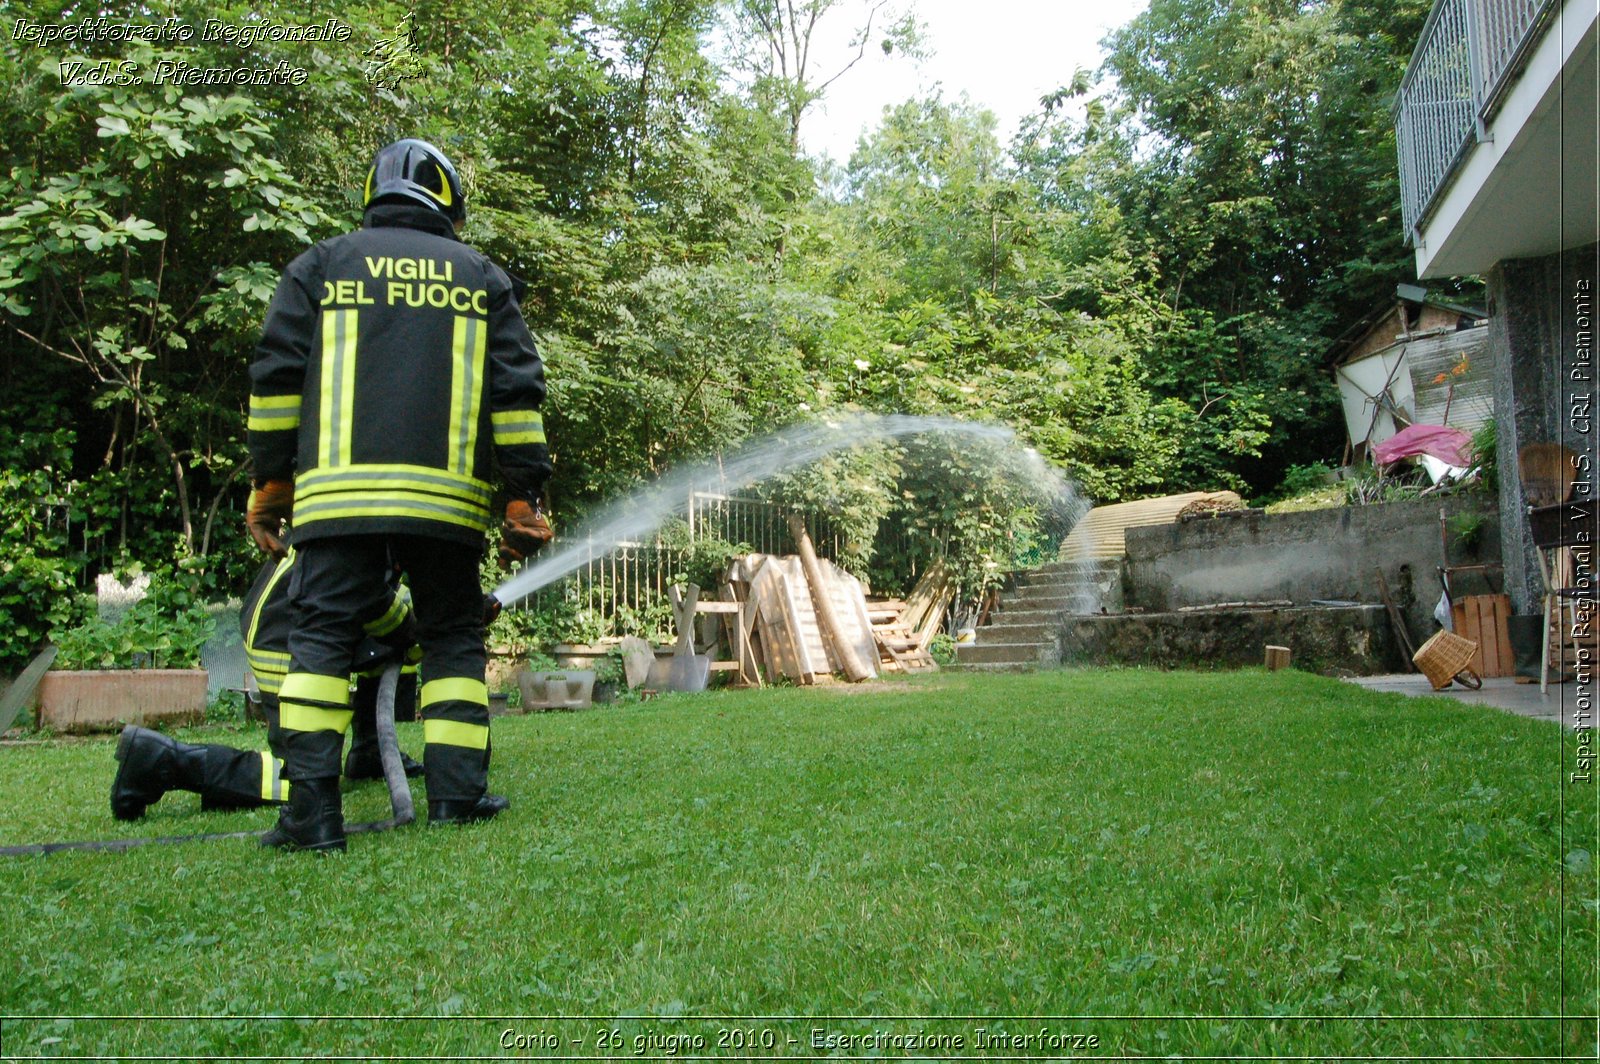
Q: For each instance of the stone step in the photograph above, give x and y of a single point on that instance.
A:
(1036, 632)
(1096, 565)
(1046, 601)
(1075, 575)
(996, 666)
(1011, 617)
(1061, 587)
(1007, 654)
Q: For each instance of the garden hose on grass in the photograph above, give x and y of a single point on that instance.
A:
(394, 771)
(394, 775)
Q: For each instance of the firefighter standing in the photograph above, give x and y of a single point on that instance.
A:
(394, 367)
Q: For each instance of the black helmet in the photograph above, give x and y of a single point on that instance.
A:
(416, 171)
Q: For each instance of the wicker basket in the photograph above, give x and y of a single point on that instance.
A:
(1445, 657)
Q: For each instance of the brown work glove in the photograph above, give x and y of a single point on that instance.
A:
(271, 504)
(523, 532)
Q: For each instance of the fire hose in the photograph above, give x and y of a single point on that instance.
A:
(394, 775)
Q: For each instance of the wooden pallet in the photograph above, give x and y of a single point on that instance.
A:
(1482, 619)
(903, 629)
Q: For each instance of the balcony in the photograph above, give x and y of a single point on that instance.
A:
(1495, 124)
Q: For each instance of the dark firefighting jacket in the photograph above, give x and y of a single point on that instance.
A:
(394, 372)
(268, 616)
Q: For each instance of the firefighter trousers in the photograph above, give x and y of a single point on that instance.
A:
(247, 779)
(332, 580)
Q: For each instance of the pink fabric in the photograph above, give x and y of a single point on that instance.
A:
(1444, 443)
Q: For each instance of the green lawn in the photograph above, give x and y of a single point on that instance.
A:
(1172, 863)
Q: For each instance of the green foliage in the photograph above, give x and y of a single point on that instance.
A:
(1141, 284)
(38, 565)
(1486, 456)
(1300, 480)
(1254, 159)
(1371, 486)
(702, 561)
(225, 707)
(942, 648)
(162, 631)
(609, 669)
(1466, 529)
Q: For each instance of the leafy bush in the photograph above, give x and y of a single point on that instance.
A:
(1301, 479)
(38, 568)
(1373, 487)
(1486, 456)
(153, 634)
(703, 561)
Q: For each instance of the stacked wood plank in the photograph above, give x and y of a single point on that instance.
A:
(766, 616)
(904, 629)
(783, 634)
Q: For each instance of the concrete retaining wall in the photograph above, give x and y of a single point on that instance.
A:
(1355, 641)
(1321, 554)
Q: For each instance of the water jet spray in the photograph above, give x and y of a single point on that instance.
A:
(630, 518)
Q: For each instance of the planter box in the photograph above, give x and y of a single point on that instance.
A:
(568, 689)
(104, 700)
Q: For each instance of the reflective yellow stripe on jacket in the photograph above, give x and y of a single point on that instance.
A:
(517, 426)
(274, 413)
(338, 387)
(377, 490)
(466, 389)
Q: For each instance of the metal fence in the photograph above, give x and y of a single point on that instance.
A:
(1464, 61)
(623, 577)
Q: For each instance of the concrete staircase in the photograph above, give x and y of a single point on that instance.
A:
(1024, 632)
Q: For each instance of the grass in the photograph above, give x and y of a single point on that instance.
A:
(1233, 863)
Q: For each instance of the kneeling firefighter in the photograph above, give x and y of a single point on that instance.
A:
(150, 764)
(394, 371)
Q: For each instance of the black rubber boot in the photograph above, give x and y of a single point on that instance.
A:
(313, 819)
(1527, 642)
(149, 765)
(450, 811)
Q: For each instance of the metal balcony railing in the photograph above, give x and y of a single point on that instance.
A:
(1468, 55)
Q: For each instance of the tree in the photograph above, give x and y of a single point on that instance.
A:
(772, 42)
(1261, 184)
(133, 249)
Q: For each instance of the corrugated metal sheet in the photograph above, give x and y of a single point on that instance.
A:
(1101, 533)
(1436, 356)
